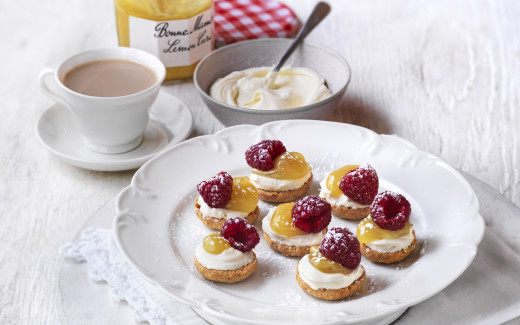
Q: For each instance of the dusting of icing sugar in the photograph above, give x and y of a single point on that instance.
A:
(294, 296)
(275, 271)
(272, 264)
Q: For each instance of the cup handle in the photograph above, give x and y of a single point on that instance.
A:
(43, 78)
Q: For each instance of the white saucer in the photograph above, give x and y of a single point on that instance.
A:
(170, 123)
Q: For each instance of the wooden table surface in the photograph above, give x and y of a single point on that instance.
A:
(442, 74)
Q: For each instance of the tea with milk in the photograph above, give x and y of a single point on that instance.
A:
(109, 78)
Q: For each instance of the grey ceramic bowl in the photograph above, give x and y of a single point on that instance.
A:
(266, 52)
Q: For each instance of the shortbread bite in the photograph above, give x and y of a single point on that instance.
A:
(287, 238)
(287, 250)
(284, 196)
(332, 294)
(349, 213)
(216, 223)
(351, 197)
(388, 258)
(227, 276)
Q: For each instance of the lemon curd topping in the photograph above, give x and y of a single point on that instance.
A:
(367, 231)
(334, 178)
(215, 244)
(281, 221)
(287, 166)
(325, 265)
(244, 197)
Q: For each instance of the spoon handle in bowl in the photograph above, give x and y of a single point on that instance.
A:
(321, 10)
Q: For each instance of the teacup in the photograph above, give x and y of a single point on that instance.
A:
(110, 123)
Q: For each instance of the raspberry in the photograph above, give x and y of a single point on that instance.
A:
(390, 210)
(262, 155)
(360, 184)
(240, 234)
(216, 191)
(341, 246)
(311, 214)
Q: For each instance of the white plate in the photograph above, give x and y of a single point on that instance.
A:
(171, 122)
(157, 230)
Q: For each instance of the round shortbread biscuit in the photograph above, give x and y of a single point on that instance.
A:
(387, 258)
(283, 196)
(227, 276)
(217, 223)
(332, 294)
(349, 213)
(287, 250)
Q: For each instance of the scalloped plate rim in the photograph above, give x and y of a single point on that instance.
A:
(479, 224)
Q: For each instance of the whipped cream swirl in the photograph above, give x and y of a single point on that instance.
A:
(218, 213)
(229, 259)
(321, 280)
(392, 245)
(251, 88)
(273, 184)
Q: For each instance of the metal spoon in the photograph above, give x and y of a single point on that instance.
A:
(319, 12)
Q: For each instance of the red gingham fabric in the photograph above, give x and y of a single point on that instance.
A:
(239, 20)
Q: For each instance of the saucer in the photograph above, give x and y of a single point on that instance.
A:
(171, 122)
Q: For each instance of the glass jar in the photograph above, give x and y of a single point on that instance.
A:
(178, 32)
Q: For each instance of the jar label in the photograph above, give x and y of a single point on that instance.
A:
(175, 42)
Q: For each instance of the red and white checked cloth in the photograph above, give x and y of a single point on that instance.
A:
(240, 20)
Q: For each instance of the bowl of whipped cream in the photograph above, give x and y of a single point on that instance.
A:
(237, 85)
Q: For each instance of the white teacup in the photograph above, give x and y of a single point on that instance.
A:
(109, 124)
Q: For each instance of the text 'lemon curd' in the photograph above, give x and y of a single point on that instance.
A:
(178, 32)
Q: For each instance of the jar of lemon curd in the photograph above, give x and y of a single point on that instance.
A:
(178, 32)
